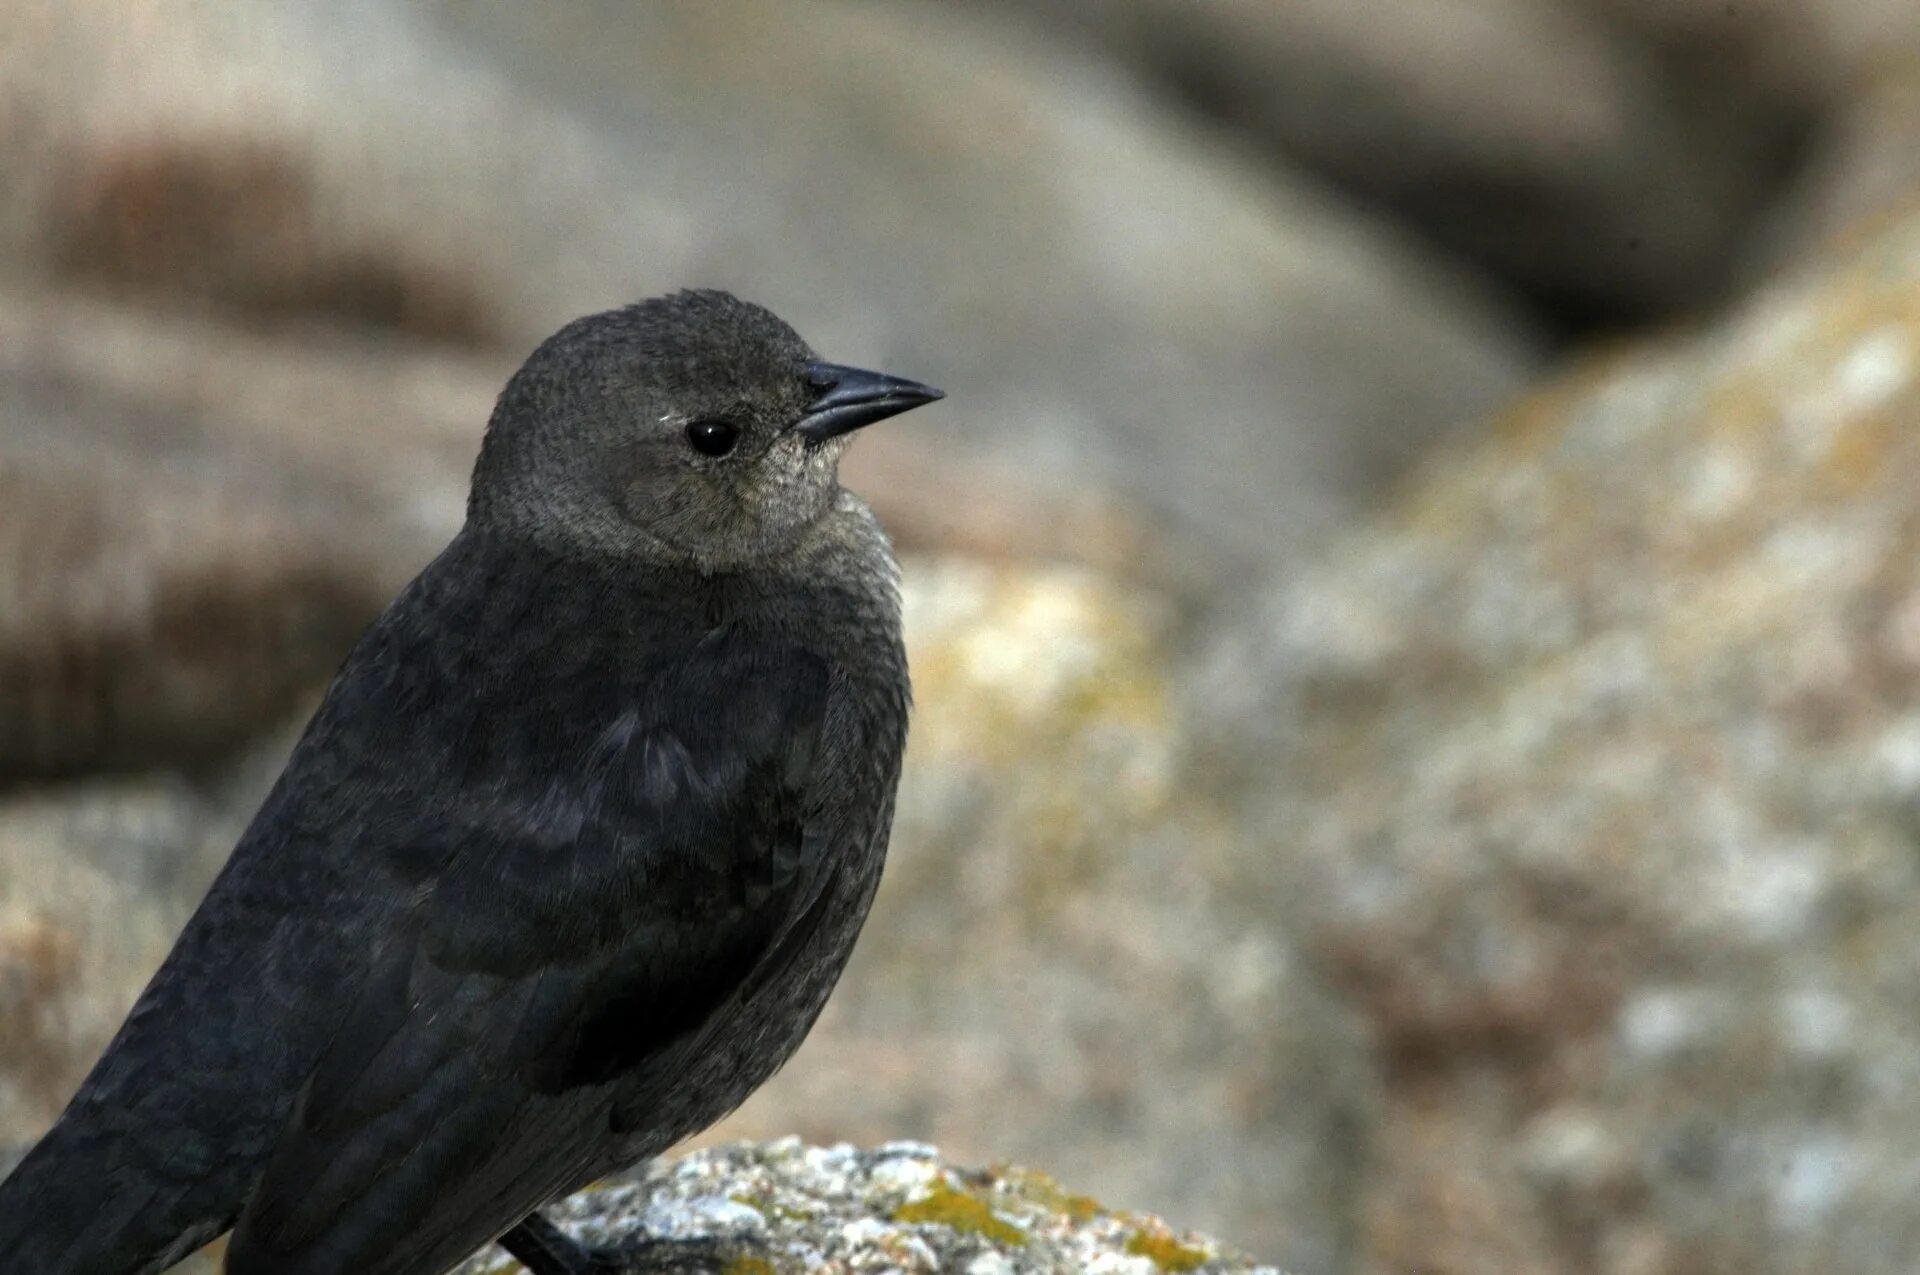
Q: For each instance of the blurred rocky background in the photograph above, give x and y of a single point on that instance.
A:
(1414, 593)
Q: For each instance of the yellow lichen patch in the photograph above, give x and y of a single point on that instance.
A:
(958, 1211)
(1043, 690)
(1164, 1251)
(1030, 656)
(1046, 1192)
(748, 1266)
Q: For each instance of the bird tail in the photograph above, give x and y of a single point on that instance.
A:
(64, 1210)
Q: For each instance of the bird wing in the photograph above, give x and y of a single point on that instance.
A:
(559, 941)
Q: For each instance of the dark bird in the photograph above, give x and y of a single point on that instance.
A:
(567, 861)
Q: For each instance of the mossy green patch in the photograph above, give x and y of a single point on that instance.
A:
(1164, 1251)
(748, 1266)
(958, 1211)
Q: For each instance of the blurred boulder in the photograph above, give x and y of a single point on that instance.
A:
(896, 1207)
(1867, 165)
(200, 521)
(224, 221)
(1590, 775)
(1114, 304)
(834, 1210)
(1608, 157)
(95, 881)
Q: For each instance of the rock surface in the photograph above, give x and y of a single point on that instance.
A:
(897, 1207)
(1589, 775)
(836, 1210)
(1530, 886)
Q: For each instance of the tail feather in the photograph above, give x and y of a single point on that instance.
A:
(69, 1209)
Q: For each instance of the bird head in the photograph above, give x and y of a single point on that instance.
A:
(696, 429)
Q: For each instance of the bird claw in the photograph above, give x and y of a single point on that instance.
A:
(544, 1249)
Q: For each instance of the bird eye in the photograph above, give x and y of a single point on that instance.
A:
(713, 438)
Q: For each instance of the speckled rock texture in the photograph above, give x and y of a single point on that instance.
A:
(895, 1208)
(1590, 775)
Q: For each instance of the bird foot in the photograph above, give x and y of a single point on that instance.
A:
(544, 1249)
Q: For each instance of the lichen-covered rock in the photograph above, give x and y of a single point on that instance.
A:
(827, 1210)
(1589, 776)
(897, 1207)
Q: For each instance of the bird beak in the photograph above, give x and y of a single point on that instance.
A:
(848, 398)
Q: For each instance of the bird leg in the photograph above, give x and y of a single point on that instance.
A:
(544, 1249)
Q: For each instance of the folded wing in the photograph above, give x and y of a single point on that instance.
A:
(561, 936)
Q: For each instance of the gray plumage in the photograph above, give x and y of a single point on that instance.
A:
(569, 857)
